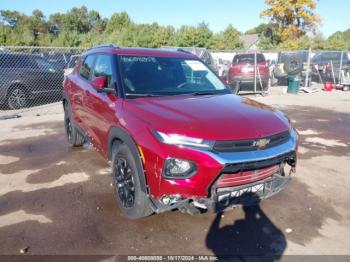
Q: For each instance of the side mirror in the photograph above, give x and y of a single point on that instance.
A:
(99, 83)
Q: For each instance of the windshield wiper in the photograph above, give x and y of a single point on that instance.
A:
(204, 93)
(141, 95)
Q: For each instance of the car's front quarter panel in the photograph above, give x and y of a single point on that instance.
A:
(154, 153)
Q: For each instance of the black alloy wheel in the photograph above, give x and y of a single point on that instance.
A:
(17, 98)
(124, 182)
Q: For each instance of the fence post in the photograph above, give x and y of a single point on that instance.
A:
(307, 68)
(255, 71)
(340, 67)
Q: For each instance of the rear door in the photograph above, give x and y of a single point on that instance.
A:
(28, 73)
(79, 89)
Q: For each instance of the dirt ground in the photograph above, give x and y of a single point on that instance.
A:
(58, 200)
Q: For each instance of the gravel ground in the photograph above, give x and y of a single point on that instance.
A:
(58, 200)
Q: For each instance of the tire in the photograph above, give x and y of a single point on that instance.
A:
(132, 201)
(293, 65)
(265, 89)
(236, 88)
(74, 137)
(17, 98)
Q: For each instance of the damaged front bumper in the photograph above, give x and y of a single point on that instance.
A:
(222, 198)
(235, 164)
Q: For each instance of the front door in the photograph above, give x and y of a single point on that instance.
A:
(100, 107)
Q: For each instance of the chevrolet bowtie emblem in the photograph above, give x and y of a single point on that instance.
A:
(262, 142)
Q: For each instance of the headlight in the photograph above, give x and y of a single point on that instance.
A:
(175, 168)
(175, 139)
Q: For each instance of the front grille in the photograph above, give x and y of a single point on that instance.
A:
(250, 144)
(246, 177)
(242, 168)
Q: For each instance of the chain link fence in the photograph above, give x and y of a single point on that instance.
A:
(32, 77)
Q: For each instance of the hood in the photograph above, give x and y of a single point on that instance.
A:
(212, 117)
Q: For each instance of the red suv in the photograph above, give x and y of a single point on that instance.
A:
(176, 136)
(242, 72)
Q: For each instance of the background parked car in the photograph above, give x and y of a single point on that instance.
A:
(322, 65)
(241, 73)
(24, 77)
(71, 64)
(59, 59)
(222, 66)
(202, 53)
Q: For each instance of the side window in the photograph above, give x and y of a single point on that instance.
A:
(7, 61)
(103, 67)
(24, 62)
(86, 67)
(43, 65)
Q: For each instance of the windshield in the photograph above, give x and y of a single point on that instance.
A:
(167, 76)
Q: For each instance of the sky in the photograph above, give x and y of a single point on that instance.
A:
(243, 14)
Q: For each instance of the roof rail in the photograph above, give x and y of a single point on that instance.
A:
(183, 50)
(174, 48)
(104, 46)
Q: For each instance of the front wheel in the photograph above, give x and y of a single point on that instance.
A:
(132, 201)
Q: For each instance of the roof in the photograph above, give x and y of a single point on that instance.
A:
(249, 40)
(158, 52)
(198, 51)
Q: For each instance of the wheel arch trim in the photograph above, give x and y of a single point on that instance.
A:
(117, 133)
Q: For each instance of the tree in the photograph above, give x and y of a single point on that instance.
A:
(164, 36)
(76, 20)
(204, 35)
(11, 18)
(36, 23)
(338, 41)
(269, 37)
(260, 29)
(293, 18)
(185, 36)
(228, 39)
(199, 36)
(291, 22)
(96, 24)
(117, 22)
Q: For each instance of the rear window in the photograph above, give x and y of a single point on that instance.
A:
(330, 56)
(326, 57)
(248, 58)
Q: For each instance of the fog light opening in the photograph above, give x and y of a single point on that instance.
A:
(170, 200)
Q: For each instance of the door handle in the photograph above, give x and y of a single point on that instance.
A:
(87, 92)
